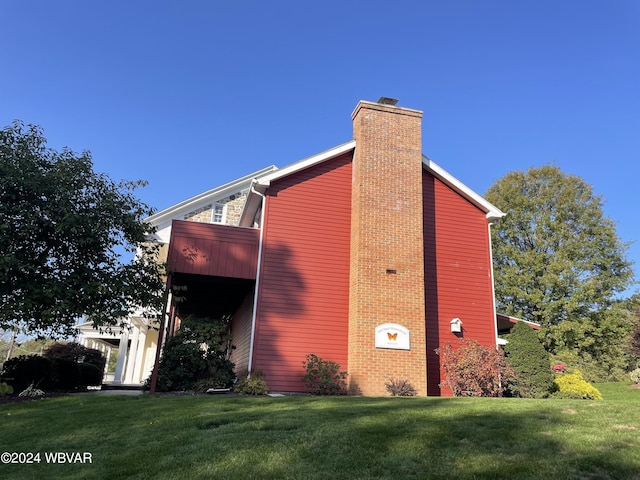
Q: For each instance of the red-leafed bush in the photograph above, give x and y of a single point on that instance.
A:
(472, 370)
(324, 377)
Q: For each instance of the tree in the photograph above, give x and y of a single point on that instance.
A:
(530, 361)
(557, 259)
(633, 305)
(67, 235)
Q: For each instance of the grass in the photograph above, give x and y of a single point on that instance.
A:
(183, 437)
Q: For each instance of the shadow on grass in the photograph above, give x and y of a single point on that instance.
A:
(315, 437)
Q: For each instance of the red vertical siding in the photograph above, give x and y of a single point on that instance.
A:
(458, 279)
(241, 334)
(303, 301)
(211, 249)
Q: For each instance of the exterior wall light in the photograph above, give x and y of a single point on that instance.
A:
(456, 325)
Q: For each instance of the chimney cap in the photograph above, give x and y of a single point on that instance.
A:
(387, 101)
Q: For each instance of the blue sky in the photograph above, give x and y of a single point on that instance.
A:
(192, 94)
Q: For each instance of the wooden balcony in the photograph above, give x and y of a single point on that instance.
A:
(213, 250)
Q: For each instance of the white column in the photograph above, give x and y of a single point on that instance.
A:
(133, 355)
(139, 366)
(122, 356)
(106, 363)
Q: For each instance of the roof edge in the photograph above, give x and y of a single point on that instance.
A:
(513, 319)
(168, 212)
(307, 162)
(492, 212)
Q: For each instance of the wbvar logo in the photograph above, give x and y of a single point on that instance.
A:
(68, 457)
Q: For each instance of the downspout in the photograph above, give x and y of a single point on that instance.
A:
(493, 285)
(258, 268)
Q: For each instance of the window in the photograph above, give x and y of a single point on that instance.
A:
(218, 213)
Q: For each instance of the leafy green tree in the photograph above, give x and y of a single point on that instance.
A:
(558, 260)
(67, 235)
(530, 361)
(634, 337)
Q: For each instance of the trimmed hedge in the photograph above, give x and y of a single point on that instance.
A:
(49, 374)
(90, 375)
(22, 371)
(65, 375)
(77, 353)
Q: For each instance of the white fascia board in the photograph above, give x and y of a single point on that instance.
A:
(534, 324)
(228, 188)
(493, 213)
(306, 163)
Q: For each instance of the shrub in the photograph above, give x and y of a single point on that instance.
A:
(65, 375)
(94, 357)
(77, 353)
(198, 351)
(251, 386)
(180, 366)
(6, 389)
(89, 375)
(324, 377)
(51, 373)
(559, 368)
(566, 395)
(530, 361)
(254, 385)
(635, 376)
(573, 385)
(635, 338)
(400, 388)
(28, 370)
(592, 369)
(68, 351)
(472, 370)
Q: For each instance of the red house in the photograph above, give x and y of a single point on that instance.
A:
(368, 254)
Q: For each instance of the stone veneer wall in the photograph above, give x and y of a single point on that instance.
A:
(233, 205)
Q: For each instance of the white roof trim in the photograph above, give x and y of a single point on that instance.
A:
(227, 188)
(493, 212)
(518, 319)
(306, 163)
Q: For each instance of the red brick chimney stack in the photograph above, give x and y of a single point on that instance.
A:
(387, 258)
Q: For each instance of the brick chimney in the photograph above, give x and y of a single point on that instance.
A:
(387, 258)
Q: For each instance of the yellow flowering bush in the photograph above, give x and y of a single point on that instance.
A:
(573, 385)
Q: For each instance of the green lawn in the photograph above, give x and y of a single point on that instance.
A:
(184, 437)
